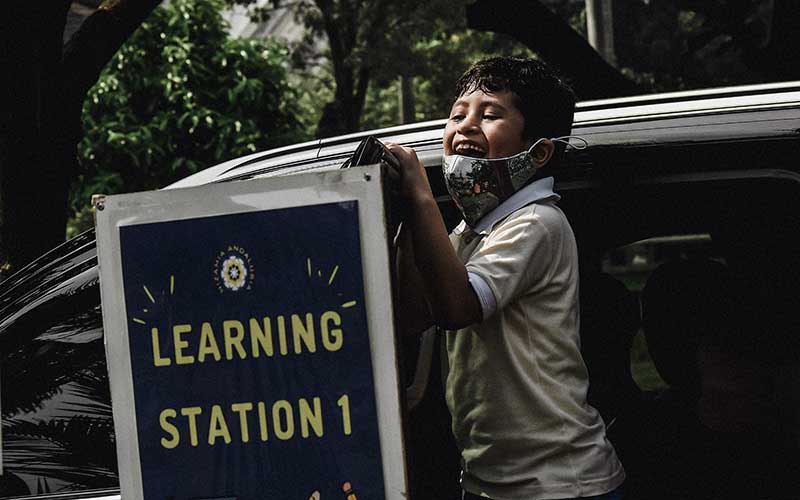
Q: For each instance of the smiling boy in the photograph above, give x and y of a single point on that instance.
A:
(504, 285)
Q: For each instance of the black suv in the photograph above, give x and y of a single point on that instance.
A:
(686, 207)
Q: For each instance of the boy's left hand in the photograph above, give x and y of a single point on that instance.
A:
(414, 183)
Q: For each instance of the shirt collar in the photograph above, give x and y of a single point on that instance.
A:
(539, 190)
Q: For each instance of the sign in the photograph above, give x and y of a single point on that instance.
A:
(250, 341)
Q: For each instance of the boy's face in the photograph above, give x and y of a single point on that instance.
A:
(485, 125)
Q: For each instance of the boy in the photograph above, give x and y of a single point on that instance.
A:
(504, 285)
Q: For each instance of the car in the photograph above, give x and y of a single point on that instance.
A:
(700, 187)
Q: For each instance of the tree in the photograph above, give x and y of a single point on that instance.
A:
(552, 38)
(45, 94)
(662, 45)
(365, 39)
(369, 45)
(670, 45)
(179, 96)
(422, 45)
(437, 58)
(44, 87)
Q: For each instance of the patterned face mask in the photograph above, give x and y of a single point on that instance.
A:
(479, 185)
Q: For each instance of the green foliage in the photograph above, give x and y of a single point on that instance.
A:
(441, 57)
(668, 46)
(378, 41)
(662, 46)
(180, 96)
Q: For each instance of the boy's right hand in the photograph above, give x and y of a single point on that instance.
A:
(414, 183)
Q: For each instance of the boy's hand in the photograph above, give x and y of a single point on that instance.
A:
(414, 183)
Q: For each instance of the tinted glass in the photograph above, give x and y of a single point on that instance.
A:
(688, 318)
(58, 433)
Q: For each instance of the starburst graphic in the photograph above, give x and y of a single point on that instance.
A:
(233, 274)
(152, 299)
(331, 277)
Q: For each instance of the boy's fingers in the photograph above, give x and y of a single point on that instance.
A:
(401, 152)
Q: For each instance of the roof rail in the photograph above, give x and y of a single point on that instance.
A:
(689, 95)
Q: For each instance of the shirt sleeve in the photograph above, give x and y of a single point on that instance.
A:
(484, 293)
(516, 257)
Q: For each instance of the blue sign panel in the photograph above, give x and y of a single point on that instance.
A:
(250, 356)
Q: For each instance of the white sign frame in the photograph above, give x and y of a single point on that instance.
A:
(363, 184)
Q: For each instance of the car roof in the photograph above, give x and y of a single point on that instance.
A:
(628, 121)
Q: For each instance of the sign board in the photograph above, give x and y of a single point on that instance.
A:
(250, 340)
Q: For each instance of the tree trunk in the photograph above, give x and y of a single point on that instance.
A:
(406, 99)
(600, 28)
(40, 132)
(32, 187)
(552, 38)
(778, 60)
(351, 28)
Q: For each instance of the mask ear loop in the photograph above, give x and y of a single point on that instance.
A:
(565, 140)
(534, 145)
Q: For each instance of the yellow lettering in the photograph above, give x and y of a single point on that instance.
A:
(344, 404)
(192, 412)
(181, 344)
(262, 420)
(282, 344)
(157, 359)
(169, 428)
(302, 336)
(304, 333)
(242, 409)
(218, 427)
(261, 337)
(332, 338)
(208, 344)
(234, 335)
(285, 431)
(309, 416)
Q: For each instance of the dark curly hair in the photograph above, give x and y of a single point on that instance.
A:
(546, 102)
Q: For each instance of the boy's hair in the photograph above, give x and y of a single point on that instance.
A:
(546, 102)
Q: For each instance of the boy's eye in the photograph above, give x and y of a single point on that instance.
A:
(490, 117)
(457, 118)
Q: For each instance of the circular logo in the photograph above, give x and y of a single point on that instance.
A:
(233, 273)
(233, 270)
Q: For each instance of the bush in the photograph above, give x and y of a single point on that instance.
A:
(179, 96)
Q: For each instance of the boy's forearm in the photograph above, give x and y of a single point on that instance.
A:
(452, 301)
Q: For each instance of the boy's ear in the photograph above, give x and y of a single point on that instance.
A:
(543, 152)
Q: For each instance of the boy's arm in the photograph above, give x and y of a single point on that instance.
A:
(451, 299)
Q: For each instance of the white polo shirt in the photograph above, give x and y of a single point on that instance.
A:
(516, 385)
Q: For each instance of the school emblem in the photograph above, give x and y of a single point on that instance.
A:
(233, 270)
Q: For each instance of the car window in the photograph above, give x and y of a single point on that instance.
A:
(688, 330)
(58, 433)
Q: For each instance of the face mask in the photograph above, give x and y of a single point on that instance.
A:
(479, 185)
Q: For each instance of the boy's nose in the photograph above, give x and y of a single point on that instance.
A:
(468, 125)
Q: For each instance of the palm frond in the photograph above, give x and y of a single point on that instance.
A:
(79, 450)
